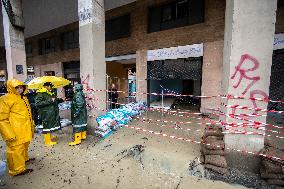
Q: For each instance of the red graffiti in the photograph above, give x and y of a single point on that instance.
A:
(85, 82)
(259, 92)
(243, 72)
(253, 65)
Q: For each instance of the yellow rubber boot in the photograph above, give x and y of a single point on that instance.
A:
(53, 137)
(77, 139)
(47, 140)
(84, 135)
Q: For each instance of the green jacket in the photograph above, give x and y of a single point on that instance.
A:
(48, 110)
(79, 110)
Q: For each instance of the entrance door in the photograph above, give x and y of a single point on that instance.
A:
(276, 89)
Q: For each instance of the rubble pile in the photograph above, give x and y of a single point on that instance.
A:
(213, 150)
(272, 169)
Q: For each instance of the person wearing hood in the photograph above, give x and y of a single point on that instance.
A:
(47, 104)
(79, 115)
(16, 126)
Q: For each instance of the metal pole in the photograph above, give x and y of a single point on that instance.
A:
(107, 104)
(162, 102)
(128, 90)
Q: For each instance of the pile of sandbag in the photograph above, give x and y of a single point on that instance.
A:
(116, 118)
(272, 169)
(102, 131)
(65, 105)
(213, 150)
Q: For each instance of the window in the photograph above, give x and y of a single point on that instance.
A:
(174, 11)
(167, 13)
(118, 28)
(49, 73)
(182, 9)
(47, 46)
(28, 48)
(70, 40)
(179, 13)
(280, 3)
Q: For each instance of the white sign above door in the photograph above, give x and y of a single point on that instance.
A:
(195, 50)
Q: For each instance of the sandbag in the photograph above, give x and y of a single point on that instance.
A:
(213, 138)
(271, 167)
(266, 175)
(217, 160)
(219, 170)
(214, 145)
(275, 182)
(213, 131)
(211, 152)
(270, 151)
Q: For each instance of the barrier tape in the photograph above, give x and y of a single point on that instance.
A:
(225, 124)
(201, 142)
(250, 108)
(229, 96)
(161, 109)
(228, 131)
(252, 123)
(228, 106)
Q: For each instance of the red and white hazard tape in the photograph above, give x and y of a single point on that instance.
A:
(211, 122)
(200, 142)
(225, 105)
(203, 96)
(251, 108)
(180, 112)
(254, 99)
(255, 123)
(228, 131)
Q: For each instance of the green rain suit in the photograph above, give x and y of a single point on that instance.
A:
(48, 110)
(79, 110)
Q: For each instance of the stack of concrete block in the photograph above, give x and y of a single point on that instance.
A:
(213, 150)
(272, 169)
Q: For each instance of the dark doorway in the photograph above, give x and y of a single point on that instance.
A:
(175, 78)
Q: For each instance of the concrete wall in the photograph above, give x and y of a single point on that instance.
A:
(211, 75)
(56, 67)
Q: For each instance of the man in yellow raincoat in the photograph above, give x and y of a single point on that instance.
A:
(16, 126)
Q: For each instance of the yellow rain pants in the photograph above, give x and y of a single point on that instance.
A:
(17, 157)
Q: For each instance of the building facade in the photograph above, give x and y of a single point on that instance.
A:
(149, 35)
(147, 39)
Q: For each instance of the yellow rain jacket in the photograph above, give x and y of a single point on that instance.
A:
(15, 116)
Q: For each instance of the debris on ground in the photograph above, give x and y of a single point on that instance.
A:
(195, 168)
(134, 152)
